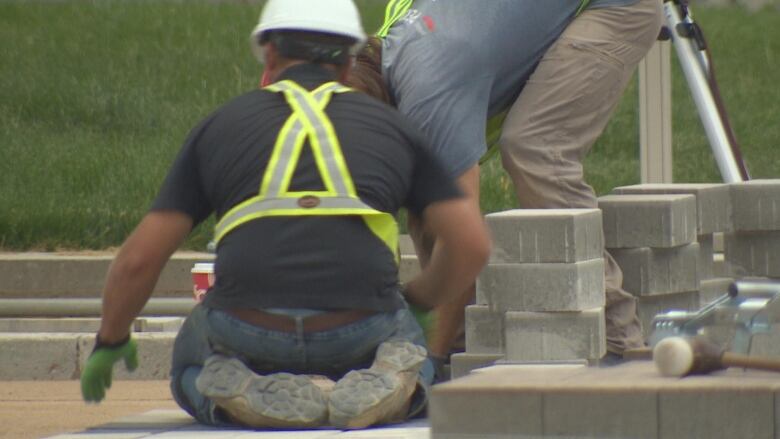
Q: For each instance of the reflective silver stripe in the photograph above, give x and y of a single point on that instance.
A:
(328, 153)
(274, 185)
(263, 205)
(273, 198)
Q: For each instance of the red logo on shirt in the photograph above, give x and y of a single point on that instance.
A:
(429, 22)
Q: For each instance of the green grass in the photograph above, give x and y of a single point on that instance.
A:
(97, 96)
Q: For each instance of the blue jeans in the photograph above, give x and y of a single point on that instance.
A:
(332, 353)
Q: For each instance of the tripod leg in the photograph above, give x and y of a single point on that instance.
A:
(689, 46)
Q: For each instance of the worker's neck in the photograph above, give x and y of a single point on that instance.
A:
(276, 71)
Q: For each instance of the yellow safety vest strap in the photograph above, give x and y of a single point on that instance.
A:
(394, 10)
(583, 4)
(274, 198)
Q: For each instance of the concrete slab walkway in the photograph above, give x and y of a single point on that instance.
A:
(135, 410)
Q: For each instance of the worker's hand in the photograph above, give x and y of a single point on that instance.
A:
(96, 377)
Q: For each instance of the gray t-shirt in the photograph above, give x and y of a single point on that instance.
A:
(450, 65)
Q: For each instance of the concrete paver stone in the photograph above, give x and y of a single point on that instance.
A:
(756, 205)
(542, 287)
(484, 330)
(545, 235)
(552, 336)
(753, 253)
(648, 220)
(713, 202)
(651, 271)
(630, 400)
(706, 256)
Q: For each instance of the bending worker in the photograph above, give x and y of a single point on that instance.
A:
(305, 177)
(554, 68)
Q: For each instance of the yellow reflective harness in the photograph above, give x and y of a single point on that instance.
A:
(308, 120)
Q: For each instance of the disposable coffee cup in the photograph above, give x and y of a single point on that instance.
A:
(202, 279)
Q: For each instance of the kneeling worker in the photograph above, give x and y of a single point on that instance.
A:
(305, 177)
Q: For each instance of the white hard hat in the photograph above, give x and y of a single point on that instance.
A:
(339, 17)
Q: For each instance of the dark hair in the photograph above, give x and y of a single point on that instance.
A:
(366, 74)
(315, 47)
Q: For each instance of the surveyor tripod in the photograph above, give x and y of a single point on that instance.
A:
(691, 47)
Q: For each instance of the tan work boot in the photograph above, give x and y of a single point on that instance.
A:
(380, 394)
(280, 400)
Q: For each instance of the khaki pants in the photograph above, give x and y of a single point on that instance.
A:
(560, 113)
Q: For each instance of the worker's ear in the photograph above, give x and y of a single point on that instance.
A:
(270, 56)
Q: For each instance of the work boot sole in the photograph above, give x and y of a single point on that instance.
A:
(381, 393)
(280, 400)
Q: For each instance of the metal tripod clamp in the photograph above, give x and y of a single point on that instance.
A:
(750, 307)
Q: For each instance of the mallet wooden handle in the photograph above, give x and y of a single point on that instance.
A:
(730, 359)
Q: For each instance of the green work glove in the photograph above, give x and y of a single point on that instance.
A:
(424, 318)
(96, 377)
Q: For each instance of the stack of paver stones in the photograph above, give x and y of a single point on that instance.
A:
(752, 248)
(540, 299)
(662, 236)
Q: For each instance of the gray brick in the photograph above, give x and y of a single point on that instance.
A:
(545, 235)
(756, 205)
(753, 253)
(462, 363)
(727, 413)
(648, 220)
(650, 271)
(706, 256)
(650, 306)
(552, 336)
(459, 410)
(713, 202)
(595, 415)
(41, 356)
(155, 351)
(484, 330)
(542, 287)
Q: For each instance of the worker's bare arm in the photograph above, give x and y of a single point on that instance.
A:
(136, 268)
(461, 251)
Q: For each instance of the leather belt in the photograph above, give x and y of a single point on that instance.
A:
(284, 323)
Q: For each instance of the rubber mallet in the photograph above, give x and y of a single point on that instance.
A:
(681, 356)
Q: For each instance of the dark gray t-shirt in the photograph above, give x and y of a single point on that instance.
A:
(318, 262)
(452, 64)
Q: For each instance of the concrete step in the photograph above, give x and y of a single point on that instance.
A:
(50, 310)
(37, 275)
(89, 307)
(82, 274)
(62, 355)
(84, 324)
